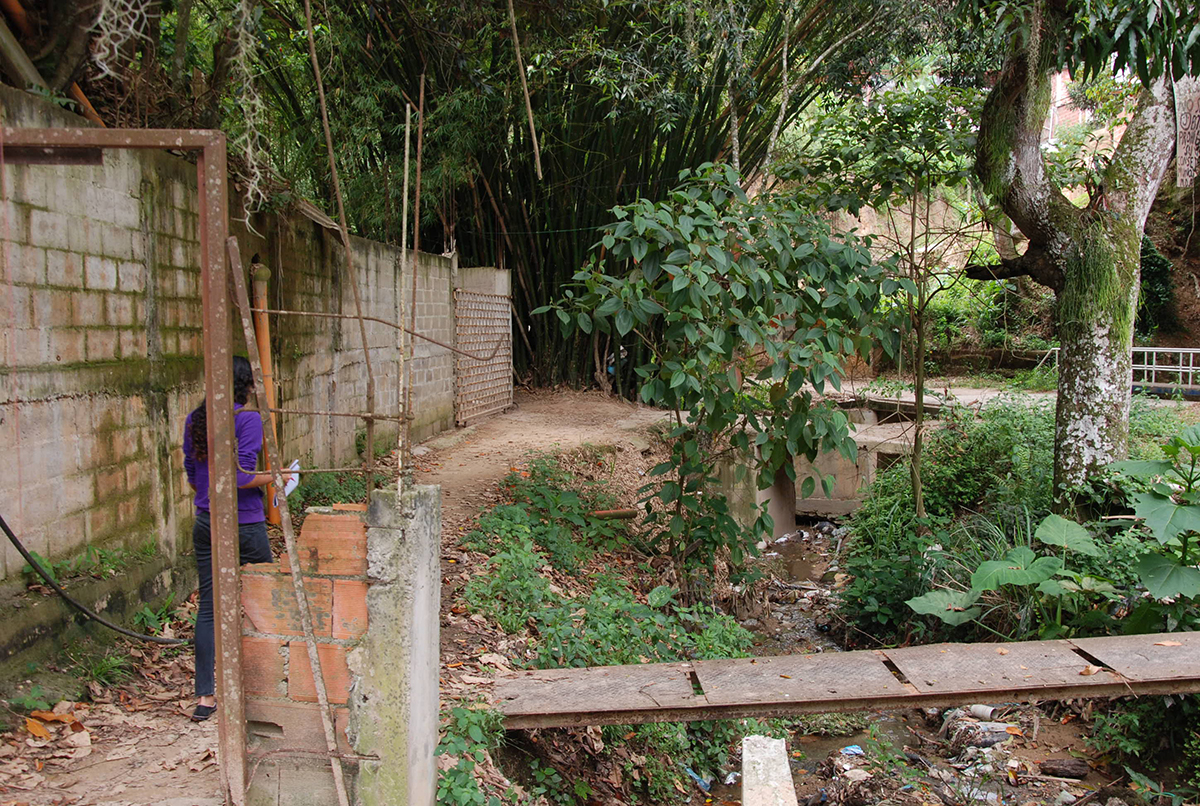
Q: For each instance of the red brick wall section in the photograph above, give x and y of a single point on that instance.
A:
(281, 709)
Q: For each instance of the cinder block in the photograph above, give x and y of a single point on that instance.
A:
(270, 603)
(334, 669)
(87, 309)
(49, 229)
(263, 669)
(101, 344)
(133, 343)
(100, 273)
(110, 483)
(68, 346)
(350, 617)
(64, 268)
(131, 276)
(118, 309)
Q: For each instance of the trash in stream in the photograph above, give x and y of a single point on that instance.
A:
(732, 778)
(852, 750)
(700, 782)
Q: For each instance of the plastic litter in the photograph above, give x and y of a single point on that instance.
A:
(732, 778)
(700, 782)
(852, 750)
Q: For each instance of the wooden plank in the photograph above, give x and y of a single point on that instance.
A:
(831, 676)
(1147, 658)
(644, 687)
(968, 669)
(942, 674)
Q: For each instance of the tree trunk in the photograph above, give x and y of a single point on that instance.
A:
(1096, 309)
(1089, 257)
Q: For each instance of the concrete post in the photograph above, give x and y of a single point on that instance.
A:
(766, 777)
(394, 705)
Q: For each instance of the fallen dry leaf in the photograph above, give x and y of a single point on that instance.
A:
(1014, 730)
(49, 716)
(1167, 643)
(36, 728)
(1091, 669)
(1001, 651)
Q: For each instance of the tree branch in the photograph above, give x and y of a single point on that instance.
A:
(1141, 159)
(1009, 157)
(1035, 263)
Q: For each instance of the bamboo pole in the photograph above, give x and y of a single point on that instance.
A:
(260, 276)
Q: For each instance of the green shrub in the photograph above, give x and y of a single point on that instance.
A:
(612, 628)
(1140, 729)
(325, 489)
(513, 589)
(467, 735)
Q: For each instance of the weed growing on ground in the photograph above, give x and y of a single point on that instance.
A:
(615, 623)
(36, 699)
(988, 482)
(152, 620)
(468, 735)
(95, 561)
(325, 489)
(107, 667)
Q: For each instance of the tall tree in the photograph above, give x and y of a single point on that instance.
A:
(1088, 255)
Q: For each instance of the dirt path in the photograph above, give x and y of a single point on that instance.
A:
(468, 463)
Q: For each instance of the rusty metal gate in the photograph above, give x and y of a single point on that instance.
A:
(482, 387)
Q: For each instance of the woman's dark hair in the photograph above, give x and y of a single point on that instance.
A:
(243, 382)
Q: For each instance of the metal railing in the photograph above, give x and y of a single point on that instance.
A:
(1170, 367)
(1158, 367)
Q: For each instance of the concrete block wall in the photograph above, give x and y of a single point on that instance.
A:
(103, 354)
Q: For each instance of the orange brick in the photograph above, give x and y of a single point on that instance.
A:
(349, 507)
(333, 668)
(270, 604)
(332, 544)
(349, 608)
(282, 723)
(262, 666)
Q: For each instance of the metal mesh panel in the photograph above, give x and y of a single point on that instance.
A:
(482, 387)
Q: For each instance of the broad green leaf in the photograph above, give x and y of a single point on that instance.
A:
(585, 322)
(1056, 530)
(1164, 576)
(1133, 467)
(808, 487)
(1165, 519)
(952, 607)
(624, 321)
(660, 596)
(1020, 567)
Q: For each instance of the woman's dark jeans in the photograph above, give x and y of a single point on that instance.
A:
(254, 547)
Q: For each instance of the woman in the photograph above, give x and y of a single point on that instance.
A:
(252, 522)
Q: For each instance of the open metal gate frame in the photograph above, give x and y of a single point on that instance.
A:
(482, 385)
(84, 146)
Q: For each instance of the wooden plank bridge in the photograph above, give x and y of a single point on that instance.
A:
(939, 674)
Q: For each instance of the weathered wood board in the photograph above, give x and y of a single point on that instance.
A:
(941, 674)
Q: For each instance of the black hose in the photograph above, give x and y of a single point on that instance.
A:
(81, 608)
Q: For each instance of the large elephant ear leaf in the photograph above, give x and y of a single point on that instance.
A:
(952, 607)
(1164, 577)
(1056, 530)
(1165, 519)
(1020, 567)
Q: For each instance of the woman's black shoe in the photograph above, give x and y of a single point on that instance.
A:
(203, 712)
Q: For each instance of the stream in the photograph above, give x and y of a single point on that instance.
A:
(803, 565)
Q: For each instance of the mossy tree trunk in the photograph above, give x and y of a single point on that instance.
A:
(1089, 255)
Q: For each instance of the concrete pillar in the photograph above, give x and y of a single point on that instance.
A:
(394, 705)
(766, 776)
